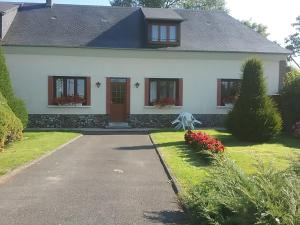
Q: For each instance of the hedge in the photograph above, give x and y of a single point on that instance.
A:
(17, 105)
(10, 125)
(289, 100)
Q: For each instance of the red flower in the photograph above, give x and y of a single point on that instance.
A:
(202, 141)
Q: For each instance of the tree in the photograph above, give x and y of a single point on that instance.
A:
(204, 4)
(293, 41)
(189, 4)
(123, 3)
(289, 99)
(258, 27)
(154, 3)
(254, 116)
(16, 105)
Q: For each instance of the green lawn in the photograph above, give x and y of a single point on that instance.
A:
(189, 169)
(33, 145)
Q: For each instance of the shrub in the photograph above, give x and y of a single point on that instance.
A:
(296, 129)
(206, 145)
(19, 108)
(254, 116)
(291, 76)
(289, 101)
(17, 105)
(229, 196)
(10, 126)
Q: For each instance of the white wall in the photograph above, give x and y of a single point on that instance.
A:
(30, 66)
(7, 20)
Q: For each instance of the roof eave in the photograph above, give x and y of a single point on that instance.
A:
(147, 49)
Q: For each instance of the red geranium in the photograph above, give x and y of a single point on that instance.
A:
(201, 141)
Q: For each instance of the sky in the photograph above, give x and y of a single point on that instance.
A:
(277, 15)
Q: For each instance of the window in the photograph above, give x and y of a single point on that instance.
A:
(163, 91)
(163, 34)
(229, 90)
(70, 91)
(118, 90)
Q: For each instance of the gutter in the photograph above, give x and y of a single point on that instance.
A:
(142, 49)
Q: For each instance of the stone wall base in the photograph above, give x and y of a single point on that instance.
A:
(164, 120)
(67, 121)
(101, 120)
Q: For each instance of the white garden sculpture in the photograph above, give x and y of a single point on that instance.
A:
(185, 121)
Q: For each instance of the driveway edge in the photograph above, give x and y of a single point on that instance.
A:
(167, 170)
(16, 171)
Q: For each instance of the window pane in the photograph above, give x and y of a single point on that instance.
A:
(163, 33)
(154, 35)
(118, 80)
(173, 35)
(163, 90)
(59, 84)
(81, 88)
(229, 91)
(153, 91)
(172, 89)
(70, 87)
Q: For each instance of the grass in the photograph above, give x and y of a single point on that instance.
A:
(33, 145)
(189, 170)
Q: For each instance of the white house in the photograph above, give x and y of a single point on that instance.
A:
(86, 66)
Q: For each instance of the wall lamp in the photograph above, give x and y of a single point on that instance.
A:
(137, 84)
(98, 84)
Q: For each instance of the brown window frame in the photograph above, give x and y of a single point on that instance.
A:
(65, 78)
(221, 89)
(167, 42)
(158, 80)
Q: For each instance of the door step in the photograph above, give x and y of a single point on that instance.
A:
(118, 125)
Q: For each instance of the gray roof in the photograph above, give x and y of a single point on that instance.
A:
(161, 14)
(6, 7)
(122, 27)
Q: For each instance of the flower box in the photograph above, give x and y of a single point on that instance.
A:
(164, 102)
(70, 101)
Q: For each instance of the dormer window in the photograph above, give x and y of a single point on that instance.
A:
(162, 27)
(163, 34)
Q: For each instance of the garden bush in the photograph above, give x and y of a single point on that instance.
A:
(229, 196)
(206, 145)
(10, 126)
(17, 105)
(291, 76)
(254, 116)
(289, 100)
(296, 129)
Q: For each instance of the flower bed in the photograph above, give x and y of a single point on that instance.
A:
(203, 143)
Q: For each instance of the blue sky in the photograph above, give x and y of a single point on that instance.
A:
(278, 15)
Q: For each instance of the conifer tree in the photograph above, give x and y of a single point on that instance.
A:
(254, 116)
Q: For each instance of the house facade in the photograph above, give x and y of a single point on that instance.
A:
(87, 66)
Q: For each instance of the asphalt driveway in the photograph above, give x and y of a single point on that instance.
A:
(98, 179)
